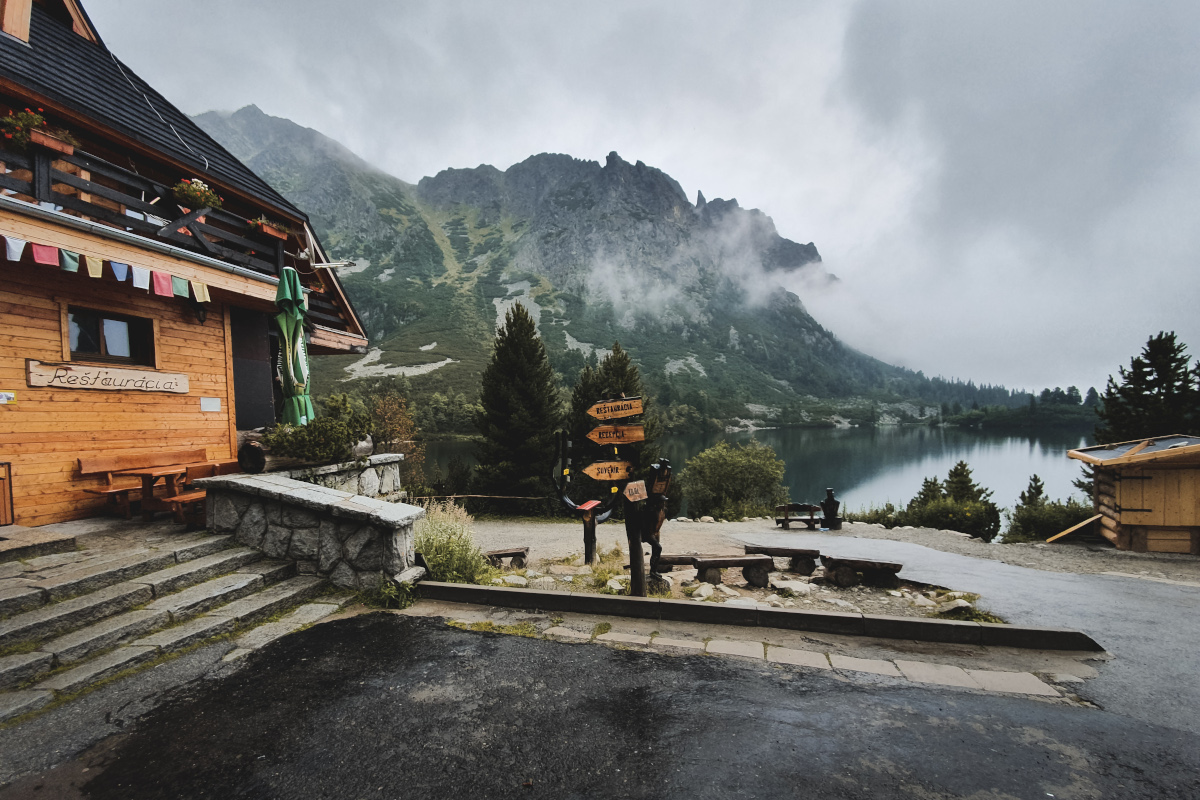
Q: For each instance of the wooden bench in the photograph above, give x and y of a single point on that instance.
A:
(802, 561)
(755, 569)
(843, 572)
(110, 468)
(797, 508)
(668, 562)
(188, 506)
(517, 556)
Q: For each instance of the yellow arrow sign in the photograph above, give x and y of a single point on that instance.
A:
(617, 434)
(617, 409)
(608, 470)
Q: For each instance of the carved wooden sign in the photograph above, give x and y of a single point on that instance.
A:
(113, 379)
(608, 470)
(617, 434)
(635, 491)
(617, 409)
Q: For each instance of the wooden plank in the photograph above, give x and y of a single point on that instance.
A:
(616, 409)
(1074, 528)
(230, 389)
(608, 470)
(617, 434)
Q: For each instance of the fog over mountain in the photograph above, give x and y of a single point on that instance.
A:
(984, 179)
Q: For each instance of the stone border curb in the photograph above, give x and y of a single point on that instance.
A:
(922, 630)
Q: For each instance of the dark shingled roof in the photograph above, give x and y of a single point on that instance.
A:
(87, 78)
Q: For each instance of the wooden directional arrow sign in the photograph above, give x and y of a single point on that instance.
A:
(608, 470)
(617, 434)
(617, 409)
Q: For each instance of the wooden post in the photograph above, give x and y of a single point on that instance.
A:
(637, 561)
(589, 537)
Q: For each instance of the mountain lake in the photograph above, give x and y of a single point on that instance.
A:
(873, 466)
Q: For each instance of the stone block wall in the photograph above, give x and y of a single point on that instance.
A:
(350, 539)
(378, 476)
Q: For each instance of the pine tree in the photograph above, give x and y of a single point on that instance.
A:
(960, 486)
(616, 376)
(1157, 395)
(1035, 493)
(519, 412)
(931, 490)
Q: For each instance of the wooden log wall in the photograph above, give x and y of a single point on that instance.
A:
(1106, 504)
(48, 430)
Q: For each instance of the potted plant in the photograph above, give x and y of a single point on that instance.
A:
(270, 227)
(23, 127)
(195, 193)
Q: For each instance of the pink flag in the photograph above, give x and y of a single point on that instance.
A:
(45, 254)
(162, 283)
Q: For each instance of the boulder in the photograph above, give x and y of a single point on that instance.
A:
(544, 582)
(921, 601)
(953, 604)
(410, 575)
(615, 585)
(707, 519)
(728, 591)
(705, 590)
(515, 580)
(799, 588)
(774, 601)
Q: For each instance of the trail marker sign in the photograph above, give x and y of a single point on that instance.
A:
(617, 434)
(608, 470)
(635, 491)
(617, 409)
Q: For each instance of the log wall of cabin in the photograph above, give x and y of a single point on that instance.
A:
(1106, 506)
(49, 429)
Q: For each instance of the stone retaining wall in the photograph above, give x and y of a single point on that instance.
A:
(350, 539)
(377, 476)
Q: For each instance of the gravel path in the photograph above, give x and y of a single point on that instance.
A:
(559, 539)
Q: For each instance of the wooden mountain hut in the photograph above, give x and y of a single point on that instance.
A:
(138, 272)
(1148, 493)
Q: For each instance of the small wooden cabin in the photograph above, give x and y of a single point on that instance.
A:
(1148, 493)
(130, 321)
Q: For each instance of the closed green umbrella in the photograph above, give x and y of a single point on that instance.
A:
(293, 355)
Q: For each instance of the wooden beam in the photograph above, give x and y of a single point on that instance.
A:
(1074, 528)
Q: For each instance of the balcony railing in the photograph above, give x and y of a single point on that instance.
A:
(92, 188)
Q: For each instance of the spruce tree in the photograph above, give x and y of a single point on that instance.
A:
(960, 486)
(1035, 493)
(519, 413)
(1156, 396)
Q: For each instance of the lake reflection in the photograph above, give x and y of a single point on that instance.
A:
(872, 466)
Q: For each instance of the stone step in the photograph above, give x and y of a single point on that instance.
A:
(188, 633)
(96, 670)
(14, 704)
(18, 669)
(57, 618)
(210, 594)
(272, 600)
(82, 643)
(47, 579)
(189, 573)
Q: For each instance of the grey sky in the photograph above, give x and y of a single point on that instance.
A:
(1008, 190)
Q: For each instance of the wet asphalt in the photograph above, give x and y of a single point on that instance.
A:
(388, 706)
(1151, 629)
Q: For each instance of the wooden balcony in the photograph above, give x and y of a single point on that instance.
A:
(91, 188)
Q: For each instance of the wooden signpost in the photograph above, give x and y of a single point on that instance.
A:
(617, 434)
(616, 409)
(608, 470)
(635, 491)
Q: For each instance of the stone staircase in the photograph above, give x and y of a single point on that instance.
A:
(71, 620)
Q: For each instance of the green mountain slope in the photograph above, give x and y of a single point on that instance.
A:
(598, 252)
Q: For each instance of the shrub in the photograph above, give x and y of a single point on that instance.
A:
(1037, 517)
(885, 515)
(443, 537)
(395, 432)
(734, 482)
(330, 437)
(972, 517)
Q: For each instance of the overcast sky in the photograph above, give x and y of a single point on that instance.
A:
(1008, 190)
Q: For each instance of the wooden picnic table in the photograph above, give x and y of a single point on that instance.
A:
(170, 475)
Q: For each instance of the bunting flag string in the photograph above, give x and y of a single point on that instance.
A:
(45, 254)
(15, 247)
(163, 284)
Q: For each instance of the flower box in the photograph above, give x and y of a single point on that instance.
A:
(270, 230)
(49, 142)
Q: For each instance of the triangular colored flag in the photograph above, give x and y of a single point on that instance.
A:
(45, 254)
(162, 283)
(120, 271)
(68, 261)
(179, 286)
(15, 247)
(95, 266)
(141, 278)
(200, 292)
